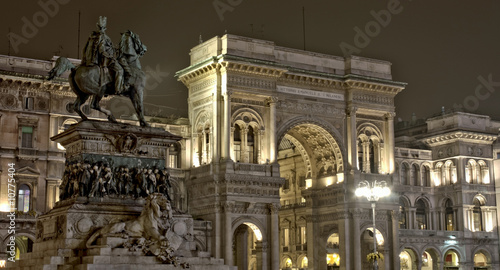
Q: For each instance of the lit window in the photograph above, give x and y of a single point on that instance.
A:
(23, 198)
(477, 215)
(450, 223)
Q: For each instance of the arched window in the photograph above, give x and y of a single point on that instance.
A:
(250, 145)
(23, 198)
(477, 215)
(449, 216)
(332, 251)
(361, 153)
(174, 153)
(451, 259)
(304, 263)
(421, 215)
(371, 156)
(426, 176)
(414, 175)
(438, 180)
(484, 173)
(405, 173)
(237, 143)
(471, 172)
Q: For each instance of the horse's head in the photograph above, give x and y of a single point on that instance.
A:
(131, 44)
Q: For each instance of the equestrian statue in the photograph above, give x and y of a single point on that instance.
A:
(105, 71)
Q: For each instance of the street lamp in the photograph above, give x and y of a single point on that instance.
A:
(373, 193)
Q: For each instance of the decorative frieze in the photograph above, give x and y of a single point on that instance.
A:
(258, 83)
(374, 99)
(309, 108)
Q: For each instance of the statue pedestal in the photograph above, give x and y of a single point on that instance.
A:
(116, 143)
(110, 169)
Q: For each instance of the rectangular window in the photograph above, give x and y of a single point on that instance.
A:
(303, 239)
(237, 152)
(286, 237)
(172, 161)
(498, 155)
(449, 222)
(27, 137)
(250, 153)
(28, 103)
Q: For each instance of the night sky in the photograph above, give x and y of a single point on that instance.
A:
(447, 51)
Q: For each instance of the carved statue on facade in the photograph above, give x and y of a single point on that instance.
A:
(106, 71)
(151, 231)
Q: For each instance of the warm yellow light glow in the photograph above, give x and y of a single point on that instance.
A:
(329, 181)
(380, 238)
(309, 183)
(4, 207)
(332, 259)
(2, 263)
(304, 262)
(340, 177)
(255, 229)
(288, 263)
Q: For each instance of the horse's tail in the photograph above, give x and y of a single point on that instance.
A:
(62, 65)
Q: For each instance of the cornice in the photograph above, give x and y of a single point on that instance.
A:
(270, 69)
(464, 136)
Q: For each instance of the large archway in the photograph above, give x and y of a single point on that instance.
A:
(309, 155)
(247, 246)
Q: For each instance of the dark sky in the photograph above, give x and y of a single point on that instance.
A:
(445, 50)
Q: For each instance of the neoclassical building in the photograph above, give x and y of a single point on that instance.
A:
(276, 142)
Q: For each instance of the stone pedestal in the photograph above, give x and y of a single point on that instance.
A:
(97, 154)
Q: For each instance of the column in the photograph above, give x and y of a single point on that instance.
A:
(261, 254)
(366, 157)
(411, 219)
(233, 157)
(218, 231)
(345, 242)
(272, 128)
(260, 136)
(389, 141)
(167, 156)
(228, 234)
(395, 240)
(227, 129)
(244, 145)
(275, 236)
(352, 151)
(203, 147)
(356, 240)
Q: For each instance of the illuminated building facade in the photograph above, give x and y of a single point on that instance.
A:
(276, 142)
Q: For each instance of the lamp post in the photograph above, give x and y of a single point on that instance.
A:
(373, 193)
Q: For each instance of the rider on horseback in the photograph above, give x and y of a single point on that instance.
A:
(99, 51)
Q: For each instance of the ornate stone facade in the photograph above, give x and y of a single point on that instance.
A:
(277, 141)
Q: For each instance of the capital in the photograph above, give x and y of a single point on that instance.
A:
(271, 100)
(390, 115)
(274, 207)
(351, 110)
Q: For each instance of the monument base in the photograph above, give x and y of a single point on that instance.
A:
(62, 236)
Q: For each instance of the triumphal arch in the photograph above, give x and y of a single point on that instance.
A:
(280, 138)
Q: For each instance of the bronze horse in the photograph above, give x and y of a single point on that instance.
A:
(87, 81)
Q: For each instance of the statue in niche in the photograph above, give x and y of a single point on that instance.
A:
(105, 71)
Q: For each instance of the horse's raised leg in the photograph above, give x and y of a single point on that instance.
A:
(80, 100)
(95, 105)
